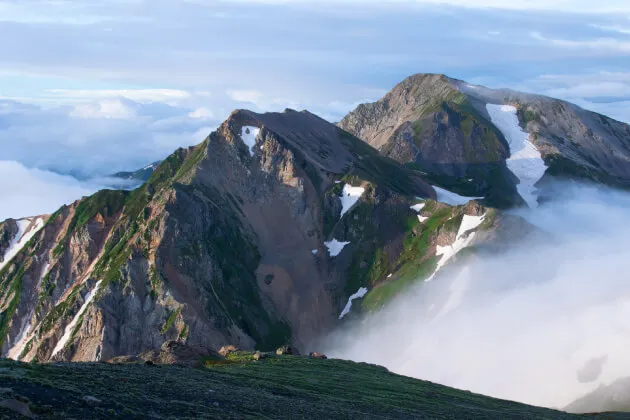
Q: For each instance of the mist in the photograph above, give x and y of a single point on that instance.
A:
(543, 323)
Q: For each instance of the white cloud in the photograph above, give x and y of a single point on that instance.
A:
(572, 6)
(97, 138)
(597, 45)
(31, 192)
(104, 109)
(202, 113)
(612, 28)
(167, 96)
(251, 96)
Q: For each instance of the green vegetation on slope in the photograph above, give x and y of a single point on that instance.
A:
(287, 387)
(414, 264)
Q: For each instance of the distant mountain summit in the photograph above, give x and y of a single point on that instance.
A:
(141, 175)
(499, 144)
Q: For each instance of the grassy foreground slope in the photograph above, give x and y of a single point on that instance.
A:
(278, 387)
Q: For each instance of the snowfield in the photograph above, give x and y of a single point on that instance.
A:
(358, 295)
(451, 198)
(27, 228)
(461, 242)
(525, 160)
(70, 328)
(249, 134)
(349, 197)
(335, 247)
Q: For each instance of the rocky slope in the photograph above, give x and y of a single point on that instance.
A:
(263, 234)
(286, 387)
(462, 137)
(227, 243)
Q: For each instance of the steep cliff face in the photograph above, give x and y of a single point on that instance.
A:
(462, 137)
(229, 242)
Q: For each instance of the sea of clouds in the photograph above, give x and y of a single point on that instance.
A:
(543, 323)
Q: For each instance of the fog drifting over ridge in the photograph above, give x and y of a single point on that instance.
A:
(542, 324)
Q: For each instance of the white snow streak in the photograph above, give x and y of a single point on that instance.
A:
(68, 332)
(23, 337)
(418, 207)
(349, 197)
(335, 247)
(22, 237)
(451, 198)
(525, 160)
(358, 295)
(461, 241)
(249, 134)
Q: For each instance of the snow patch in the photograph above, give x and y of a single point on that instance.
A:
(314, 252)
(249, 134)
(27, 228)
(349, 197)
(68, 332)
(358, 295)
(461, 241)
(525, 160)
(335, 247)
(451, 198)
(418, 207)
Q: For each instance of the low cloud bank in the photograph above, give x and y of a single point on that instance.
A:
(544, 323)
(31, 192)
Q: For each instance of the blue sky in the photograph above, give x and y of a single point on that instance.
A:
(91, 87)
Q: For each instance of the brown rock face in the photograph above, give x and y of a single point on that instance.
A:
(215, 249)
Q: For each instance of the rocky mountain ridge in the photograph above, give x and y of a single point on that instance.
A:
(216, 248)
(279, 225)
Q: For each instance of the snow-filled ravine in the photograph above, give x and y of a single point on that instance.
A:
(358, 295)
(525, 160)
(461, 241)
(451, 198)
(249, 134)
(27, 228)
(349, 197)
(70, 328)
(335, 247)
